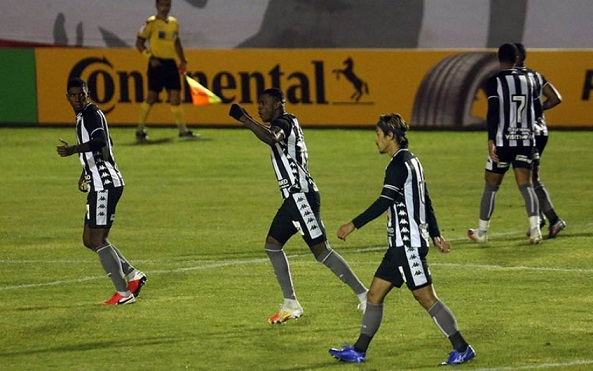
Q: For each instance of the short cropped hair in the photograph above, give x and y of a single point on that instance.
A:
(276, 93)
(77, 83)
(522, 53)
(395, 124)
(508, 53)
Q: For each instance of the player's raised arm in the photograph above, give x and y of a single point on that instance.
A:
(264, 133)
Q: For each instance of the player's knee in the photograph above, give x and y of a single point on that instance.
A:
(272, 241)
(322, 253)
(272, 245)
(94, 243)
(375, 296)
(492, 187)
(87, 243)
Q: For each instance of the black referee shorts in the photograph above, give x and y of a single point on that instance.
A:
(166, 75)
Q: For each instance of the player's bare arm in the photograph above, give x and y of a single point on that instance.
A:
(181, 56)
(553, 97)
(66, 149)
(141, 45)
(492, 151)
(264, 133)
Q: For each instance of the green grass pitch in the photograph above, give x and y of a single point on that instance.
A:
(194, 216)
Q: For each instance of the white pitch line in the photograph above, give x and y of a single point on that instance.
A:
(264, 260)
(83, 279)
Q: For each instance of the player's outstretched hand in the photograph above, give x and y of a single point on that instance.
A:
(443, 245)
(345, 230)
(237, 112)
(65, 149)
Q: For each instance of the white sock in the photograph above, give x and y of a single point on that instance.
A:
(291, 303)
(362, 297)
(534, 221)
(483, 225)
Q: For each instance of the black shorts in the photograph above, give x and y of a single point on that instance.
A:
(519, 157)
(100, 207)
(164, 76)
(405, 265)
(299, 213)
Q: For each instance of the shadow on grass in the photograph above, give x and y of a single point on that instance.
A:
(149, 142)
(140, 341)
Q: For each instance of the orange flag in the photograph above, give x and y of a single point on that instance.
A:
(199, 94)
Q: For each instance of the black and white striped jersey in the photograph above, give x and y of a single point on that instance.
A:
(540, 127)
(511, 108)
(99, 164)
(290, 158)
(410, 218)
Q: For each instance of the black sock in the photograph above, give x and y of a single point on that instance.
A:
(362, 344)
(458, 342)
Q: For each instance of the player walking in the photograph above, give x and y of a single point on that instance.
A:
(544, 88)
(511, 115)
(411, 221)
(102, 180)
(300, 211)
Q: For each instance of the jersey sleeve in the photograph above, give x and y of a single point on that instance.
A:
(176, 26)
(392, 185)
(493, 108)
(431, 219)
(92, 123)
(146, 29)
(284, 124)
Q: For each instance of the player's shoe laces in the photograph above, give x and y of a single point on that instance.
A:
(136, 282)
(348, 354)
(118, 299)
(457, 358)
(556, 228)
(535, 236)
(474, 235)
(189, 134)
(285, 313)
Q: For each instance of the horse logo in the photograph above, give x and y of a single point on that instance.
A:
(360, 86)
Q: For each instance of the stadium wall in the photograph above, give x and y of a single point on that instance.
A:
(437, 89)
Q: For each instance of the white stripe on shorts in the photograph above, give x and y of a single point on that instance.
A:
(101, 211)
(306, 212)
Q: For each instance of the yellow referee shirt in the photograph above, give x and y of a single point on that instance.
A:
(161, 36)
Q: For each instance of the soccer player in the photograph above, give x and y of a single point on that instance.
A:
(300, 211)
(411, 223)
(162, 33)
(512, 98)
(102, 180)
(553, 98)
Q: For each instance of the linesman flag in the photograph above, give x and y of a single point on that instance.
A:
(199, 94)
